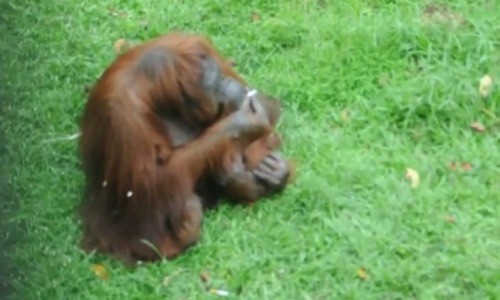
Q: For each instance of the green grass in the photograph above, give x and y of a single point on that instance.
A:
(410, 86)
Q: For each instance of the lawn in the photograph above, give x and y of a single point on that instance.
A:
(370, 89)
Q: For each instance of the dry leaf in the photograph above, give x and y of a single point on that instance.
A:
(450, 219)
(362, 273)
(478, 127)
(413, 176)
(345, 115)
(442, 14)
(100, 271)
(485, 85)
(121, 45)
(466, 166)
(204, 277)
(255, 16)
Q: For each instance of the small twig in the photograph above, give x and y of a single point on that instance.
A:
(167, 279)
(153, 247)
(62, 139)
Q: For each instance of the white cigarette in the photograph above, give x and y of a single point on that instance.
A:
(251, 93)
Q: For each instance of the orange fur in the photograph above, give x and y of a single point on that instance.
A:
(149, 132)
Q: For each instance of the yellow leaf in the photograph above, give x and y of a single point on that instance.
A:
(413, 176)
(100, 271)
(345, 115)
(121, 45)
(255, 16)
(362, 273)
(479, 127)
(485, 85)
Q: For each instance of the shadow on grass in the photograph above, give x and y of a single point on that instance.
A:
(10, 232)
